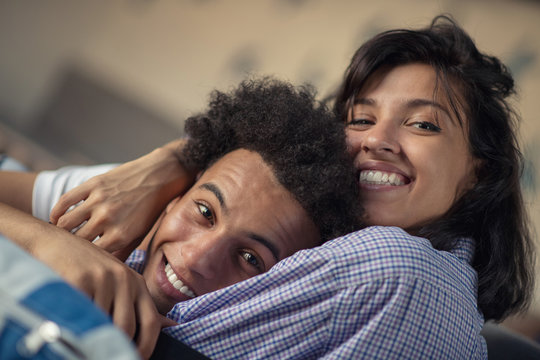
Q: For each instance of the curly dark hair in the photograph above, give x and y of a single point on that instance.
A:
(492, 212)
(296, 136)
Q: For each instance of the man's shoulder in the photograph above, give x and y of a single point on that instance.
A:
(380, 242)
(379, 252)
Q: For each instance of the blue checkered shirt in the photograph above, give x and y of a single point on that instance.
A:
(378, 293)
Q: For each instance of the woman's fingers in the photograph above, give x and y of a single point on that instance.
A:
(67, 200)
(112, 202)
(88, 230)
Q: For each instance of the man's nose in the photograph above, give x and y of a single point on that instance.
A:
(206, 255)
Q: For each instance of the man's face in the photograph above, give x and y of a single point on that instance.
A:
(236, 222)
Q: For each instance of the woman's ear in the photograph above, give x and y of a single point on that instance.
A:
(477, 165)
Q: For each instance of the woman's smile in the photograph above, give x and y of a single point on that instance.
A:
(411, 154)
(376, 175)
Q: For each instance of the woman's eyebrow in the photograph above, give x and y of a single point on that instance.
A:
(363, 101)
(408, 103)
(214, 189)
(424, 102)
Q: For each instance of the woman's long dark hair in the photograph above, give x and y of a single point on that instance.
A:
(492, 212)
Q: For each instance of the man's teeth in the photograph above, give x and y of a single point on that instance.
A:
(379, 178)
(177, 283)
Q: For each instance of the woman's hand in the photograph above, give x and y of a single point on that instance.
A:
(121, 205)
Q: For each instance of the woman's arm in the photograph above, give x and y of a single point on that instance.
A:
(16, 189)
(121, 205)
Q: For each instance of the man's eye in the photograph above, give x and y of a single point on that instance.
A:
(252, 260)
(206, 212)
(426, 125)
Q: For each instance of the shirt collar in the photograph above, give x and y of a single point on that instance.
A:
(464, 249)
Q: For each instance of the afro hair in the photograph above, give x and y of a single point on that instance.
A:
(297, 136)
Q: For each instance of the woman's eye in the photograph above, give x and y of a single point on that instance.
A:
(206, 212)
(252, 260)
(426, 125)
(360, 122)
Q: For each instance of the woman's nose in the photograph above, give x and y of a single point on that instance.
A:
(378, 139)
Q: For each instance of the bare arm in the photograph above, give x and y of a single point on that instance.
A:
(16, 189)
(114, 287)
(121, 205)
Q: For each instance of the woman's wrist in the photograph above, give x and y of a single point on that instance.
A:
(167, 163)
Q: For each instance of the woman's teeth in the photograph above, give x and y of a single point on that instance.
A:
(177, 283)
(373, 177)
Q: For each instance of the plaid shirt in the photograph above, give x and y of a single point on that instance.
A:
(378, 293)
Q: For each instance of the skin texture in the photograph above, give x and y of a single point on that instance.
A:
(211, 244)
(153, 181)
(396, 126)
(114, 287)
(208, 244)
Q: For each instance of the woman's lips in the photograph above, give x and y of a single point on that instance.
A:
(381, 178)
(376, 174)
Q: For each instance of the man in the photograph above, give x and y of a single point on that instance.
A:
(262, 196)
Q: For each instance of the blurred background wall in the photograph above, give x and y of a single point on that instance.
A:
(108, 80)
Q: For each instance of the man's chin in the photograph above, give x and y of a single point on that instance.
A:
(163, 307)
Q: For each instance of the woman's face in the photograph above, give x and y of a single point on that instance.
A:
(411, 152)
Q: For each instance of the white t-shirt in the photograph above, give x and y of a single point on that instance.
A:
(50, 185)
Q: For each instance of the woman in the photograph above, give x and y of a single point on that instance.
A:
(472, 88)
(434, 143)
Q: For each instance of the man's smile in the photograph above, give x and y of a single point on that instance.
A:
(177, 283)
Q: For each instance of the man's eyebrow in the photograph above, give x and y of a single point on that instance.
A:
(273, 249)
(214, 189)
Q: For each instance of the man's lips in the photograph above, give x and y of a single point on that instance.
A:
(172, 286)
(176, 282)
